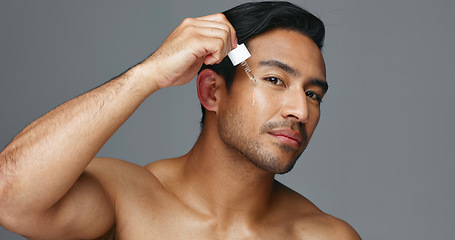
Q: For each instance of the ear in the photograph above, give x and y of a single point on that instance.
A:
(208, 82)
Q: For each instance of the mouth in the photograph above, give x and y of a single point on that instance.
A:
(287, 136)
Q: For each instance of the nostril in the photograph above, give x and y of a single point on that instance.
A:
(297, 108)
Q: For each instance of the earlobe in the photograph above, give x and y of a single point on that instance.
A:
(206, 88)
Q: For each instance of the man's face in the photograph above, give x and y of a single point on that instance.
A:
(271, 120)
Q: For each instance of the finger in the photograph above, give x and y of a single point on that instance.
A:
(206, 25)
(214, 50)
(218, 40)
(210, 60)
(221, 18)
(214, 37)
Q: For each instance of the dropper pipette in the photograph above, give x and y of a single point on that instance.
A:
(239, 56)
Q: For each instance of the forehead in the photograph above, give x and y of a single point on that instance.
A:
(290, 47)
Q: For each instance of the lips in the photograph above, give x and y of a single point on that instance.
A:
(287, 136)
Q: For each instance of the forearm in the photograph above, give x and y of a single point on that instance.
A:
(43, 161)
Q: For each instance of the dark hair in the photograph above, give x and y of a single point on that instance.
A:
(254, 18)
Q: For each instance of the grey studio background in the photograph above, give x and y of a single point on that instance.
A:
(382, 157)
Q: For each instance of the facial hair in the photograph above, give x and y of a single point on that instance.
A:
(239, 138)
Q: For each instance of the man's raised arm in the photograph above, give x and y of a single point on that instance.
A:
(47, 159)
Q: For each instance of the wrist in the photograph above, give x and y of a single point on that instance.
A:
(144, 77)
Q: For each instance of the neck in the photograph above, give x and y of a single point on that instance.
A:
(222, 182)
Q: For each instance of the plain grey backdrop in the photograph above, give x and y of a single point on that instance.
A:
(382, 157)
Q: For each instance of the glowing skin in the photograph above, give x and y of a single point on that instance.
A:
(290, 82)
(250, 75)
(239, 56)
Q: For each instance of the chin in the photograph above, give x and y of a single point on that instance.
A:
(275, 164)
(278, 169)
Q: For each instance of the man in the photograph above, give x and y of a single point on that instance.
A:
(51, 187)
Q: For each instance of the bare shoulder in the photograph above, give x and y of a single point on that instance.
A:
(309, 222)
(118, 175)
(325, 226)
(107, 165)
(112, 169)
(166, 168)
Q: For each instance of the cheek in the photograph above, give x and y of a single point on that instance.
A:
(263, 102)
(313, 120)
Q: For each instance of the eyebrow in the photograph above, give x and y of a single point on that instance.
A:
(285, 67)
(320, 83)
(281, 65)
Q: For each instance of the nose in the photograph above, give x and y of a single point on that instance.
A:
(295, 106)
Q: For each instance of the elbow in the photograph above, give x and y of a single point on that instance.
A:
(5, 174)
(8, 221)
(9, 218)
(14, 223)
(13, 216)
(6, 203)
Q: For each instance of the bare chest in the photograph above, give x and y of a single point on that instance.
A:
(173, 221)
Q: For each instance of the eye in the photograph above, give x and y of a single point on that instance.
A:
(314, 96)
(275, 80)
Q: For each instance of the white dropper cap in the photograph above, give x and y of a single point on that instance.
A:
(239, 54)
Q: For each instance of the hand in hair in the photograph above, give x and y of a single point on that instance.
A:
(195, 41)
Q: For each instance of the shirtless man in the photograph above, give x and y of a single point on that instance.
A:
(52, 187)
